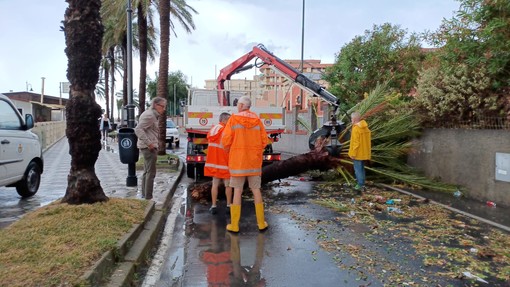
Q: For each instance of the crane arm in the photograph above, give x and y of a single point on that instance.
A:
(270, 59)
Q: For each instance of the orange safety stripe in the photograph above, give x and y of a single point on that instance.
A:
(271, 116)
(200, 140)
(199, 115)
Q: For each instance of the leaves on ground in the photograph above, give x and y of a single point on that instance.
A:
(439, 243)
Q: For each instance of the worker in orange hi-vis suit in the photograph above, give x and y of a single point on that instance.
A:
(245, 139)
(216, 164)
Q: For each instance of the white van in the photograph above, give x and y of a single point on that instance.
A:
(21, 162)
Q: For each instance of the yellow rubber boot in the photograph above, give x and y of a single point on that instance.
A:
(235, 215)
(259, 212)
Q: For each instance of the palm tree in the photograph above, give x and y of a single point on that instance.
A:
(111, 39)
(114, 12)
(181, 11)
(393, 128)
(83, 33)
(102, 90)
(147, 46)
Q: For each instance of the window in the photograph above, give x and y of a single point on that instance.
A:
(9, 119)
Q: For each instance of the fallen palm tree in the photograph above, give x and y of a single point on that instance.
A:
(393, 129)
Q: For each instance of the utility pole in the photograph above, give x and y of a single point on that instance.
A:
(301, 100)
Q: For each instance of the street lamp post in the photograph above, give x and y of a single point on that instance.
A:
(302, 52)
(131, 179)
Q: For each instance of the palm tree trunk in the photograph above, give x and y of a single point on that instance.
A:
(124, 76)
(83, 34)
(142, 38)
(317, 159)
(112, 74)
(162, 89)
(106, 91)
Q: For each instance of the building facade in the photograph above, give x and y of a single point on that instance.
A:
(43, 108)
(271, 88)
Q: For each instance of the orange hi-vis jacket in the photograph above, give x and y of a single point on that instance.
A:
(216, 163)
(245, 138)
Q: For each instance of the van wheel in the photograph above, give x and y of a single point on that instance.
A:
(29, 184)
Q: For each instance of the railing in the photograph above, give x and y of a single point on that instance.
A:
(49, 132)
(478, 123)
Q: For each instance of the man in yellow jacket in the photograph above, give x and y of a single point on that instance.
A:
(216, 164)
(360, 148)
(245, 139)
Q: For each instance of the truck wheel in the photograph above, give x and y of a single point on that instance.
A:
(177, 145)
(29, 184)
(190, 171)
(169, 145)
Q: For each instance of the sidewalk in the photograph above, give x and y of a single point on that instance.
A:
(132, 250)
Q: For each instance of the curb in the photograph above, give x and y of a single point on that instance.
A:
(495, 224)
(119, 267)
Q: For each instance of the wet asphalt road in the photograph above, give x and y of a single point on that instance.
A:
(202, 253)
(198, 251)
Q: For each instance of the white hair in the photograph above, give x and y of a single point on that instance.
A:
(158, 100)
(246, 101)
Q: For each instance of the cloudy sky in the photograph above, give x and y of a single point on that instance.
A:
(32, 45)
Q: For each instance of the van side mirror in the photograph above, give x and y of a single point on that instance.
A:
(29, 121)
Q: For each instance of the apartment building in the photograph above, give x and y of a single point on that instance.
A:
(271, 88)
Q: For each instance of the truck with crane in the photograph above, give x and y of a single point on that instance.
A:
(203, 108)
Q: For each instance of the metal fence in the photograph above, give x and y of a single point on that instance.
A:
(488, 123)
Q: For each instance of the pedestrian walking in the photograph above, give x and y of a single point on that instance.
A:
(216, 164)
(105, 126)
(147, 132)
(359, 148)
(245, 138)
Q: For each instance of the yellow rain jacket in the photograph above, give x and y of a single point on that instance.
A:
(216, 164)
(245, 137)
(360, 147)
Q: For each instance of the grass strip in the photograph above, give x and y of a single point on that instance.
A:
(56, 244)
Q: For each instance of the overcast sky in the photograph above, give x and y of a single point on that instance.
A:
(32, 45)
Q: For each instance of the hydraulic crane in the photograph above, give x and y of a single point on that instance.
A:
(330, 129)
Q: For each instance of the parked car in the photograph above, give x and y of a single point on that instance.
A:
(21, 161)
(172, 133)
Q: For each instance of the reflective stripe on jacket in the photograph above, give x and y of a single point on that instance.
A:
(360, 147)
(245, 137)
(216, 164)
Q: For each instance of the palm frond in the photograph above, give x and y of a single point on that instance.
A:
(302, 122)
(415, 180)
(393, 129)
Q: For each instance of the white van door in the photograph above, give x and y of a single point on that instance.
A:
(13, 145)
